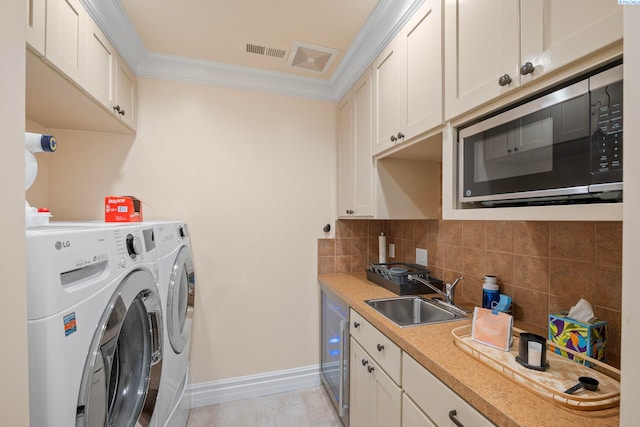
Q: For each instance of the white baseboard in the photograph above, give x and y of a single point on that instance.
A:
(213, 392)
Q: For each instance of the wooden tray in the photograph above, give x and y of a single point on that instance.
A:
(551, 384)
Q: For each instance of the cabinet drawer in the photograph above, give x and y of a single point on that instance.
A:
(435, 399)
(384, 351)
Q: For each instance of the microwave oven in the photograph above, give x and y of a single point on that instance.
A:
(562, 147)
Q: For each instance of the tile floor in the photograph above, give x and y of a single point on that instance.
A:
(304, 408)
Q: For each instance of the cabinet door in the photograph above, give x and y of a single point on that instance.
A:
(359, 387)
(36, 10)
(355, 163)
(482, 43)
(387, 96)
(346, 153)
(412, 416)
(363, 160)
(101, 67)
(422, 94)
(386, 400)
(66, 38)
(375, 400)
(556, 33)
(126, 94)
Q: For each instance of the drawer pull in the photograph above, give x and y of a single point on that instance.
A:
(365, 362)
(370, 369)
(452, 417)
(380, 347)
(356, 324)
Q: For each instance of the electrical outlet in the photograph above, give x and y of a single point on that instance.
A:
(421, 256)
(392, 250)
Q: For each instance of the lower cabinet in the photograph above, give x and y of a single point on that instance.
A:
(388, 388)
(375, 398)
(437, 401)
(412, 416)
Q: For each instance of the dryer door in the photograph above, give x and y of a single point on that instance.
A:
(124, 358)
(180, 300)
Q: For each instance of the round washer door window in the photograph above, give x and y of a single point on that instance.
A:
(117, 372)
(180, 300)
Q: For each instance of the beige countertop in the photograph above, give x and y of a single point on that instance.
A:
(501, 400)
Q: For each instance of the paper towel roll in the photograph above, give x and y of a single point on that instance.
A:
(382, 248)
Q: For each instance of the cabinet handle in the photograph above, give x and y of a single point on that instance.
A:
(393, 138)
(380, 347)
(400, 135)
(504, 80)
(365, 362)
(118, 110)
(356, 324)
(452, 417)
(527, 68)
(370, 369)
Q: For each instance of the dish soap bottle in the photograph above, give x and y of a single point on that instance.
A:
(490, 292)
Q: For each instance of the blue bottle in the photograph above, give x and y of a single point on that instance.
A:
(490, 292)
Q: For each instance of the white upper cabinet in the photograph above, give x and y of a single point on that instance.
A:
(36, 10)
(556, 33)
(355, 164)
(407, 80)
(126, 94)
(91, 77)
(481, 45)
(66, 38)
(101, 77)
(494, 46)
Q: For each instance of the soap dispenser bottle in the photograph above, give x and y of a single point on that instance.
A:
(490, 292)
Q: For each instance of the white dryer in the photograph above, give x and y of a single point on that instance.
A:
(94, 325)
(176, 282)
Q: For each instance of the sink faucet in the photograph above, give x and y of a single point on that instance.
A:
(449, 288)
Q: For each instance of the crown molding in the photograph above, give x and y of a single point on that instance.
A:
(384, 23)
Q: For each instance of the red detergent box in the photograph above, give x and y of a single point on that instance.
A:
(122, 209)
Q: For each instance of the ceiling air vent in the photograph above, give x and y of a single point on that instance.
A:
(311, 57)
(259, 49)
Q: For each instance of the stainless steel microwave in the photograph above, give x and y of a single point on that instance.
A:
(562, 147)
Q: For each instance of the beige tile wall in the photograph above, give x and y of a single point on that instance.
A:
(544, 266)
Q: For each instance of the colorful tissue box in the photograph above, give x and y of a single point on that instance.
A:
(587, 338)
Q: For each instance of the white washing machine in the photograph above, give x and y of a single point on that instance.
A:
(94, 325)
(176, 282)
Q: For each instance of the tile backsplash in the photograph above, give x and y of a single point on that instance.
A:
(544, 266)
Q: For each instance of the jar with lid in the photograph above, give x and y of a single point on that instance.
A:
(490, 292)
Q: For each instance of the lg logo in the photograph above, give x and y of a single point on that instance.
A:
(61, 245)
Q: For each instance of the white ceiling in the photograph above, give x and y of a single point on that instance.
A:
(219, 30)
(205, 41)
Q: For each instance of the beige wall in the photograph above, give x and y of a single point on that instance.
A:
(14, 397)
(254, 176)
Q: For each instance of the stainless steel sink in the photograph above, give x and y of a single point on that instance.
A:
(415, 310)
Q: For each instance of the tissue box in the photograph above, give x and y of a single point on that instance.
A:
(587, 338)
(122, 209)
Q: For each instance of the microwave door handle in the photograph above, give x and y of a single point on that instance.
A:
(341, 405)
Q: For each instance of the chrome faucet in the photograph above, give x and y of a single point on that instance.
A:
(448, 288)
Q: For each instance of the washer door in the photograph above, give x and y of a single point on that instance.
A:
(180, 300)
(124, 358)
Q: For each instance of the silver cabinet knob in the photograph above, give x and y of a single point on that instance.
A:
(527, 68)
(504, 80)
